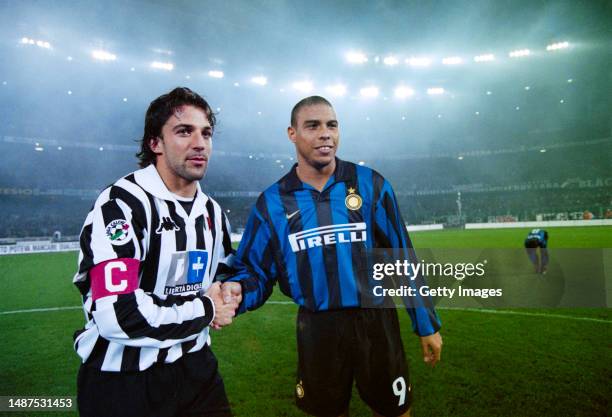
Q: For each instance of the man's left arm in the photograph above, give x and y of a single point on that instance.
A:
(425, 321)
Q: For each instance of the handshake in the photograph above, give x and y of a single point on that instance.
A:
(226, 298)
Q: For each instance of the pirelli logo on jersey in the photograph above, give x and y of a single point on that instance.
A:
(328, 235)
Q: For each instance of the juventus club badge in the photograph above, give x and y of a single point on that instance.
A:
(353, 201)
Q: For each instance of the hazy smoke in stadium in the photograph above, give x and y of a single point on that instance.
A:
(71, 116)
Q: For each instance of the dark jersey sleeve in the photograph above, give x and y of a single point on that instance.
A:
(389, 222)
(256, 269)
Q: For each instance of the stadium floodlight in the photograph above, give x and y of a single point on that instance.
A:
(460, 157)
(215, 74)
(484, 58)
(103, 55)
(369, 92)
(166, 66)
(259, 80)
(403, 92)
(337, 90)
(362, 163)
(435, 91)
(570, 80)
(356, 57)
(39, 148)
(542, 150)
(452, 60)
(390, 60)
(39, 43)
(519, 53)
(418, 61)
(302, 86)
(527, 88)
(557, 46)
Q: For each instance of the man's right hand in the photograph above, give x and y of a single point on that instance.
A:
(224, 312)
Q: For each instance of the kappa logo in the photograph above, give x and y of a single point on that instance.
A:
(166, 224)
(328, 235)
(118, 231)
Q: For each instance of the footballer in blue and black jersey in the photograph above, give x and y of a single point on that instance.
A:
(537, 238)
(312, 242)
(309, 232)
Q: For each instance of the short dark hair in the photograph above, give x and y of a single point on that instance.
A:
(159, 112)
(308, 101)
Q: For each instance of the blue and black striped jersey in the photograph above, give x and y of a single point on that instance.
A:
(313, 243)
(539, 235)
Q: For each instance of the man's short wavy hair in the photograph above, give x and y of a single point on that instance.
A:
(159, 112)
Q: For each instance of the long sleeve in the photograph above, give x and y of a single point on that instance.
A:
(389, 222)
(256, 269)
(113, 246)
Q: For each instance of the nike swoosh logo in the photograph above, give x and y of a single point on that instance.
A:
(292, 214)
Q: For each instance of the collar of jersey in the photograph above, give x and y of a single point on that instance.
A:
(148, 178)
(292, 182)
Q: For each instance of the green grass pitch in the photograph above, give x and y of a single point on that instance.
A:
(533, 363)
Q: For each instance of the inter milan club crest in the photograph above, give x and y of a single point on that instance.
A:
(118, 231)
(299, 390)
(353, 201)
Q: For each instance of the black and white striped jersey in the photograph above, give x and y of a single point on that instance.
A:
(142, 263)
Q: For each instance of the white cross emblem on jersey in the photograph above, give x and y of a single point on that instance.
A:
(197, 266)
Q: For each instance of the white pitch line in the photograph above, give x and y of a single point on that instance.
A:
(40, 310)
(525, 313)
(472, 310)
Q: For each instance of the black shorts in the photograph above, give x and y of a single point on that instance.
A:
(533, 243)
(335, 347)
(191, 386)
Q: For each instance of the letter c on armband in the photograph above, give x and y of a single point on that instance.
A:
(113, 277)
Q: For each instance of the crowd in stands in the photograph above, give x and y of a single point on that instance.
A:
(61, 185)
